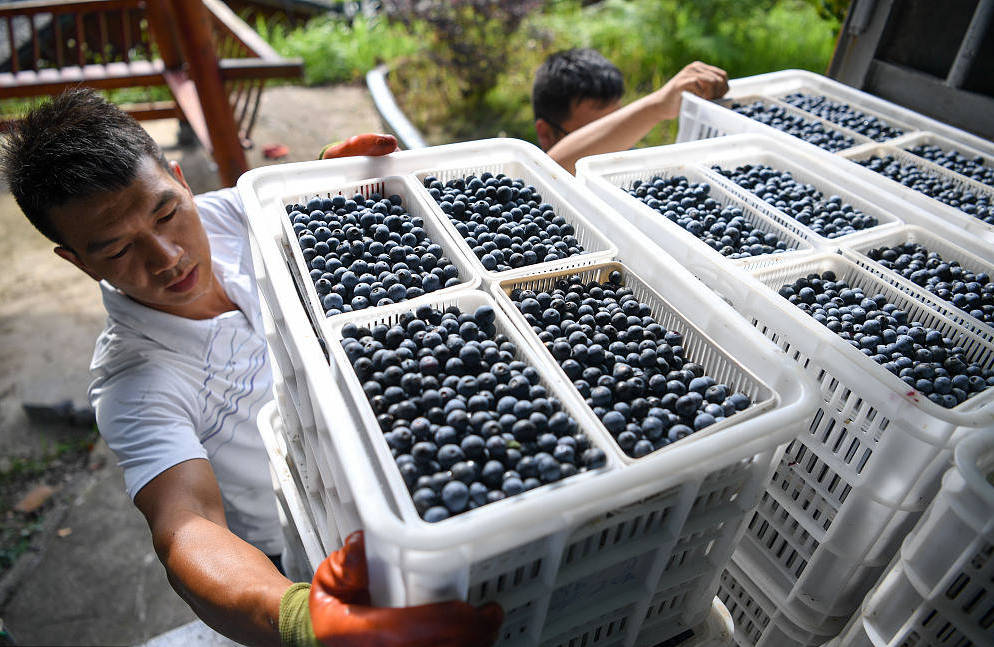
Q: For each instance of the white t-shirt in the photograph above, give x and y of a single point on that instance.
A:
(167, 389)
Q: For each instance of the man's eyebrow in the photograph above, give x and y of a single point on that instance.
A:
(164, 198)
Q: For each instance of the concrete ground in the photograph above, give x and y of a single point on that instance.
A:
(91, 576)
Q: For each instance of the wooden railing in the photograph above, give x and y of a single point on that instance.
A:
(112, 44)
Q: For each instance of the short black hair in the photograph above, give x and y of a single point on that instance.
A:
(74, 146)
(570, 76)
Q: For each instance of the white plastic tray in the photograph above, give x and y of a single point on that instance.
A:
(558, 188)
(912, 140)
(467, 301)
(937, 591)
(718, 363)
(949, 252)
(614, 180)
(778, 159)
(726, 102)
(468, 276)
(894, 122)
(783, 82)
(941, 209)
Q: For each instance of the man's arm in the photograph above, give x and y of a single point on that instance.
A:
(624, 127)
(230, 584)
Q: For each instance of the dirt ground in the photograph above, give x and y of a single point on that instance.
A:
(50, 315)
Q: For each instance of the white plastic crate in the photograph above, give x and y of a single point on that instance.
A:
(619, 557)
(674, 509)
(300, 535)
(845, 492)
(716, 631)
(611, 181)
(778, 84)
(557, 187)
(946, 249)
(468, 276)
(938, 592)
(912, 140)
(968, 222)
(718, 363)
(758, 619)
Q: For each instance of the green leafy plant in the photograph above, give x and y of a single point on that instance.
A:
(336, 50)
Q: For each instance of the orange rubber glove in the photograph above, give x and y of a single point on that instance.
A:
(365, 144)
(341, 615)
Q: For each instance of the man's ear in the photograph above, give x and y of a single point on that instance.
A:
(546, 134)
(178, 174)
(69, 255)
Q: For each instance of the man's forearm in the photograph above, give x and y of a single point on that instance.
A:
(617, 131)
(230, 584)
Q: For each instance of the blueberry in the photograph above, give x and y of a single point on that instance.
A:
(455, 496)
(435, 514)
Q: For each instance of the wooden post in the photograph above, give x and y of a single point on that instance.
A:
(193, 29)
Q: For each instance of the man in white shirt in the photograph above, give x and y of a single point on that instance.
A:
(179, 375)
(576, 98)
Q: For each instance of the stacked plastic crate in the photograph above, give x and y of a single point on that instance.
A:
(846, 490)
(629, 553)
(952, 158)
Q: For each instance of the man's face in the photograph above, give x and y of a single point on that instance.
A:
(146, 240)
(583, 112)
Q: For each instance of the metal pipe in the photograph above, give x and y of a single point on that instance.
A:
(971, 43)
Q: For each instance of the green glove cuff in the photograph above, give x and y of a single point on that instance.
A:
(295, 617)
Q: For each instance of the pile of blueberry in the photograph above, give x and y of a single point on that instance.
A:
(504, 221)
(368, 252)
(632, 372)
(829, 217)
(976, 168)
(844, 115)
(922, 357)
(723, 228)
(948, 280)
(467, 423)
(978, 205)
(810, 131)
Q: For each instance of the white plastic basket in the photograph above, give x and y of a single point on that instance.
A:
(845, 492)
(776, 84)
(946, 249)
(468, 276)
(467, 301)
(950, 213)
(938, 590)
(718, 363)
(557, 187)
(703, 119)
(613, 180)
(716, 631)
(931, 139)
(888, 120)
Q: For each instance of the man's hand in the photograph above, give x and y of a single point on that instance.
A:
(706, 81)
(341, 615)
(364, 144)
